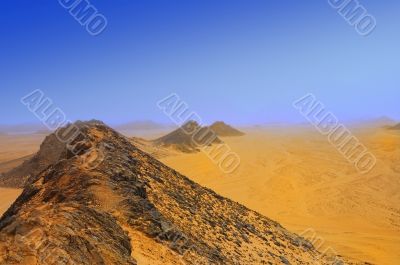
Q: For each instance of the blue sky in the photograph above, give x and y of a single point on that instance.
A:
(242, 61)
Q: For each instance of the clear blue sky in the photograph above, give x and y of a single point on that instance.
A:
(243, 61)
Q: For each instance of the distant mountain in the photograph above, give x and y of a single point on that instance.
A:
(142, 125)
(188, 137)
(222, 129)
(132, 209)
(43, 132)
(395, 127)
(373, 122)
(26, 128)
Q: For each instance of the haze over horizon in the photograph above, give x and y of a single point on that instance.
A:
(38, 126)
(243, 64)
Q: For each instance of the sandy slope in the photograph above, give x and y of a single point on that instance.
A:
(7, 197)
(301, 181)
(14, 149)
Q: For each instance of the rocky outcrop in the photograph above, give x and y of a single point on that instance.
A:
(224, 130)
(189, 138)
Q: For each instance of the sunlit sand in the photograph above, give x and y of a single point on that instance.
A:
(14, 149)
(294, 175)
(7, 197)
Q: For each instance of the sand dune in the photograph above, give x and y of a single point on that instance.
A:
(301, 181)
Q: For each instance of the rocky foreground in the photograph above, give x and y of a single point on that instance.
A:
(111, 203)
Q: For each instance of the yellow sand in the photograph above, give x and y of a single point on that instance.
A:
(294, 175)
(14, 149)
(7, 197)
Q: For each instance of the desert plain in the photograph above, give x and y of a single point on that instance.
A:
(296, 177)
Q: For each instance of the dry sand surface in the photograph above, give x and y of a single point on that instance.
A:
(14, 149)
(7, 197)
(294, 175)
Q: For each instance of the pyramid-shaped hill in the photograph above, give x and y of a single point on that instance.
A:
(224, 130)
(188, 138)
(111, 203)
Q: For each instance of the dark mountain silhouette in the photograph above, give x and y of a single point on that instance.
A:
(395, 127)
(224, 130)
(111, 203)
(25, 128)
(189, 137)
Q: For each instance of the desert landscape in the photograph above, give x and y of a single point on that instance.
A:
(289, 173)
(201, 132)
(131, 209)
